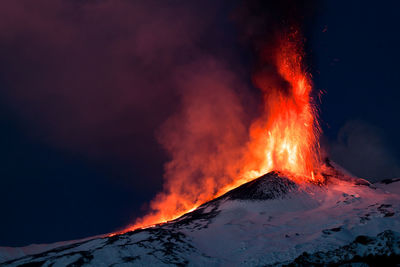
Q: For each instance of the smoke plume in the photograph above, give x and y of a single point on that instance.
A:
(102, 78)
(361, 147)
(211, 146)
(99, 78)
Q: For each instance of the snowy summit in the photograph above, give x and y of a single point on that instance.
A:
(270, 221)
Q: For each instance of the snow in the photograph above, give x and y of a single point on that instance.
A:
(9, 253)
(282, 229)
(276, 230)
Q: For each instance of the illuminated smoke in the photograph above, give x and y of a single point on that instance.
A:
(205, 140)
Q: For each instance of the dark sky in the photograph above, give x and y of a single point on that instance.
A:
(355, 48)
(66, 174)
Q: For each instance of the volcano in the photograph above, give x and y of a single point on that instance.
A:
(270, 221)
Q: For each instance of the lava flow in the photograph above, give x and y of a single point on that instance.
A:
(284, 138)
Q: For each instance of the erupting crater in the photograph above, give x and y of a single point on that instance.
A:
(283, 138)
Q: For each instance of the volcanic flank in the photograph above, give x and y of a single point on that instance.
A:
(268, 221)
(270, 200)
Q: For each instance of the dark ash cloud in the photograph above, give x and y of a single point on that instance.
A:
(361, 148)
(98, 78)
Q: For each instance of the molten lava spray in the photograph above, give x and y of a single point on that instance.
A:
(284, 138)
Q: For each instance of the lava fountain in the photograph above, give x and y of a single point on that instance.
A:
(284, 138)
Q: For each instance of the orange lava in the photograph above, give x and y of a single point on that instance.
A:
(284, 138)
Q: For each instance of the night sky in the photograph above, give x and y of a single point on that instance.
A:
(84, 92)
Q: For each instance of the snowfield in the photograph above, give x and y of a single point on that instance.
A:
(268, 221)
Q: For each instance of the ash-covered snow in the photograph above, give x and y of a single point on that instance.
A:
(269, 221)
(382, 250)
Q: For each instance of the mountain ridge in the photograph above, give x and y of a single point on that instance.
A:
(268, 221)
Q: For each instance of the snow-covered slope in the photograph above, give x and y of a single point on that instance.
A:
(269, 221)
(9, 253)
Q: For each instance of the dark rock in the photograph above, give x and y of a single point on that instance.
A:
(272, 185)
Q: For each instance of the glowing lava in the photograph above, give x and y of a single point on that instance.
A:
(284, 138)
